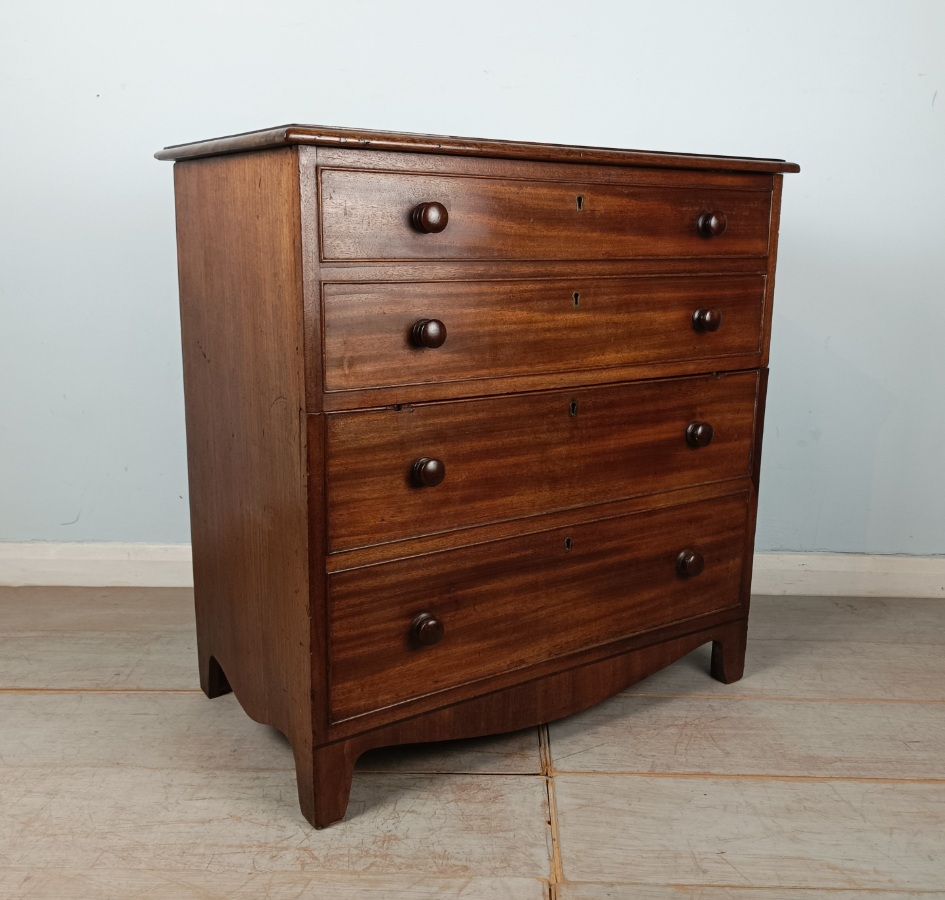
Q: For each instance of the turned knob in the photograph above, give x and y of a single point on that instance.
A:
(689, 563)
(429, 333)
(429, 218)
(710, 224)
(699, 434)
(426, 629)
(428, 472)
(706, 319)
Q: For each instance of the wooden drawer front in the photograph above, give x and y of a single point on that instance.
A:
(510, 604)
(526, 454)
(508, 328)
(368, 215)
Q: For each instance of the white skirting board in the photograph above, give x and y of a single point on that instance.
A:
(169, 565)
(848, 575)
(96, 564)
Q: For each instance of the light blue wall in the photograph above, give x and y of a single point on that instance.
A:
(91, 410)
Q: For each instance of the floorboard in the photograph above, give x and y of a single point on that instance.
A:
(820, 774)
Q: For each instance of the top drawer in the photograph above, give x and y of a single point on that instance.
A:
(369, 215)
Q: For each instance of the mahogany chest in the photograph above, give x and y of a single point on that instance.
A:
(473, 427)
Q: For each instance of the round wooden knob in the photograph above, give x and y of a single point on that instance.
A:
(428, 472)
(430, 218)
(429, 333)
(705, 319)
(711, 224)
(427, 629)
(689, 563)
(699, 434)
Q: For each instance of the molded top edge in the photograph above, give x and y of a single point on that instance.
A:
(355, 138)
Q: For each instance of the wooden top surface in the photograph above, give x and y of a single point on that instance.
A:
(459, 146)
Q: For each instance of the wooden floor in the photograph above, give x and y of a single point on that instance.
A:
(820, 774)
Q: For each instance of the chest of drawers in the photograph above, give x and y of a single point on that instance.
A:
(473, 427)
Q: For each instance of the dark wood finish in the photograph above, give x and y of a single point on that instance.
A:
(212, 678)
(429, 333)
(728, 652)
(241, 317)
(491, 531)
(564, 692)
(711, 225)
(350, 590)
(428, 472)
(531, 170)
(429, 218)
(427, 629)
(777, 183)
(430, 703)
(689, 564)
(699, 434)
(622, 440)
(370, 216)
(430, 144)
(515, 328)
(526, 600)
(707, 320)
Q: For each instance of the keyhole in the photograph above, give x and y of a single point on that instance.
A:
(573, 408)
(580, 202)
(567, 545)
(577, 298)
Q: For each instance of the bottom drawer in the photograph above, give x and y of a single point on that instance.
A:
(509, 604)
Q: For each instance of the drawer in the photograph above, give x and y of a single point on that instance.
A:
(379, 335)
(369, 215)
(526, 454)
(510, 604)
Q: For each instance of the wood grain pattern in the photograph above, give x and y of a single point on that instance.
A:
(367, 215)
(505, 754)
(319, 135)
(537, 169)
(499, 329)
(772, 261)
(241, 321)
(321, 452)
(764, 833)
(554, 691)
(551, 691)
(526, 600)
(620, 442)
(513, 528)
(480, 270)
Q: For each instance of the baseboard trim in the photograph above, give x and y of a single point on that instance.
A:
(96, 564)
(170, 565)
(848, 575)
